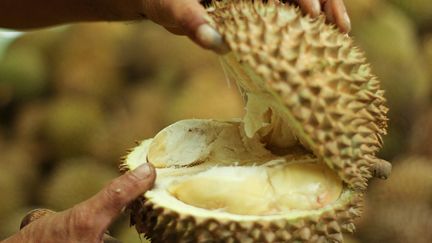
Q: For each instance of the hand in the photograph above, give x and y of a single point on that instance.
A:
(88, 221)
(187, 17)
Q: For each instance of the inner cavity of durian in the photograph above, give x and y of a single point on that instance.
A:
(215, 165)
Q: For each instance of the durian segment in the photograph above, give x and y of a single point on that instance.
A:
(192, 142)
(259, 190)
(233, 178)
(332, 100)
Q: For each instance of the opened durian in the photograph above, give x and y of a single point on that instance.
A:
(295, 167)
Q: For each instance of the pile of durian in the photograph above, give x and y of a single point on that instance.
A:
(296, 166)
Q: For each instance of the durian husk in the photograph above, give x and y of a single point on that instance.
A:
(332, 100)
(325, 94)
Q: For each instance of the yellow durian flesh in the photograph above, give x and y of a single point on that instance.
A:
(259, 190)
(213, 165)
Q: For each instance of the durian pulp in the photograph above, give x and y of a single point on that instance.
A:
(215, 165)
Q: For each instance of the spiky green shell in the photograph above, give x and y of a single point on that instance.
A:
(333, 101)
(164, 225)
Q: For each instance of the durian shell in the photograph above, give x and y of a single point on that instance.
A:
(333, 100)
(164, 225)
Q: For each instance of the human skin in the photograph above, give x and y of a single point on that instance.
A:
(182, 17)
(88, 221)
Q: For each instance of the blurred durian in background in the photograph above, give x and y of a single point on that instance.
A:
(73, 99)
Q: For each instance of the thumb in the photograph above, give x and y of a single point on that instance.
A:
(110, 201)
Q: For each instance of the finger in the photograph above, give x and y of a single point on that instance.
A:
(108, 203)
(158, 12)
(311, 7)
(328, 10)
(190, 15)
(176, 30)
(341, 17)
(336, 13)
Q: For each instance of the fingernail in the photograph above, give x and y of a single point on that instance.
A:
(210, 38)
(347, 22)
(315, 8)
(143, 171)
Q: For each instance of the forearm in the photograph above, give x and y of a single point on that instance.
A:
(27, 14)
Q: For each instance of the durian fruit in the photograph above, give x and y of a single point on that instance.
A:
(139, 113)
(88, 61)
(418, 10)
(74, 181)
(71, 124)
(144, 56)
(420, 138)
(12, 193)
(29, 119)
(427, 49)
(18, 161)
(23, 72)
(399, 65)
(206, 91)
(294, 169)
(361, 10)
